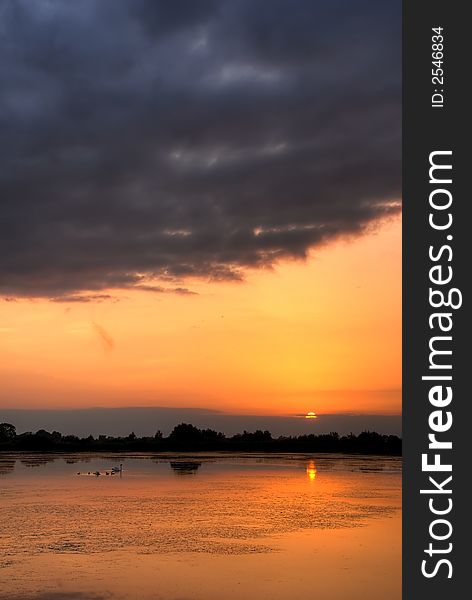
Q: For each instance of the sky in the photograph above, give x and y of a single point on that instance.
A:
(201, 206)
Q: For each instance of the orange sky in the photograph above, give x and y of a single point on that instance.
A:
(322, 335)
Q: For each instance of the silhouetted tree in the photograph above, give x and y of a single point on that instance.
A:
(187, 437)
(212, 435)
(185, 432)
(256, 436)
(7, 432)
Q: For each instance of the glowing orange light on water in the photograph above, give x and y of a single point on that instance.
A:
(311, 470)
(311, 415)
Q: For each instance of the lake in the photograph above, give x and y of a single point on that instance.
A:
(204, 526)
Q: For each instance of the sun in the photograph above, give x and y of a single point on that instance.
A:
(311, 415)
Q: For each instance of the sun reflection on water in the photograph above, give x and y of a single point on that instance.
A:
(311, 470)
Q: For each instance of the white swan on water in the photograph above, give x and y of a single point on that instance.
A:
(117, 469)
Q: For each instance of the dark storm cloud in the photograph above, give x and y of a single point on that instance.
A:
(145, 141)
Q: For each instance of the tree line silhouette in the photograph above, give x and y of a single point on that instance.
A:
(187, 437)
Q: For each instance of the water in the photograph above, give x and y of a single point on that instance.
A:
(199, 527)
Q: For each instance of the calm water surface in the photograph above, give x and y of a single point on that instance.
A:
(199, 527)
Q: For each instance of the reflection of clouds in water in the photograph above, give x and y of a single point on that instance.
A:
(7, 466)
(185, 467)
(39, 461)
(359, 464)
(266, 495)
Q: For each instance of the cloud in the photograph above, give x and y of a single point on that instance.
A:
(158, 289)
(148, 141)
(107, 342)
(84, 298)
(146, 421)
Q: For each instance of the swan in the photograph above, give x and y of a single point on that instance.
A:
(117, 469)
